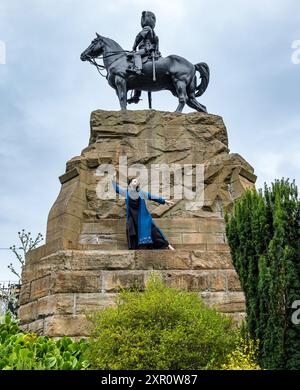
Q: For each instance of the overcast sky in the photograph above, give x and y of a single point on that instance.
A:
(47, 93)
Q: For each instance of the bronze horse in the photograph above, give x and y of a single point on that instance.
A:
(172, 73)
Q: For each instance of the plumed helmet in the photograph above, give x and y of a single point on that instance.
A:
(148, 19)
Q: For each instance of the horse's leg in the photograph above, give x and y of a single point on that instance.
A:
(121, 91)
(180, 87)
(192, 101)
(136, 97)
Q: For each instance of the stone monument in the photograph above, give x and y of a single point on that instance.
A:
(85, 260)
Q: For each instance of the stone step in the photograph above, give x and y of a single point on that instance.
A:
(183, 240)
(87, 260)
(186, 225)
(181, 232)
(60, 288)
(109, 246)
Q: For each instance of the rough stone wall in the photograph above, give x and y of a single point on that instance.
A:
(59, 289)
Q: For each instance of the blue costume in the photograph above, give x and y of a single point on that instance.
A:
(147, 232)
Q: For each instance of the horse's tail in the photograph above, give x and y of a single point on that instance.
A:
(203, 69)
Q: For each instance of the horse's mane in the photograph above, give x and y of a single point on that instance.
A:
(112, 43)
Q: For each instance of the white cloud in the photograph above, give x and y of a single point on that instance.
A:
(271, 165)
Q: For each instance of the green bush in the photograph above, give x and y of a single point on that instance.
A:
(264, 237)
(243, 357)
(21, 351)
(160, 328)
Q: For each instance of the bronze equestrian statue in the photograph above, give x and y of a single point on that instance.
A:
(146, 70)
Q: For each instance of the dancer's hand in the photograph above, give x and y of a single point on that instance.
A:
(170, 202)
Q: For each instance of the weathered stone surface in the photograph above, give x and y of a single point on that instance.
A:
(65, 304)
(217, 247)
(28, 312)
(227, 302)
(95, 260)
(124, 123)
(36, 327)
(117, 280)
(41, 287)
(55, 304)
(25, 293)
(210, 260)
(199, 238)
(197, 280)
(76, 281)
(75, 325)
(153, 259)
(46, 265)
(89, 302)
(237, 317)
(233, 281)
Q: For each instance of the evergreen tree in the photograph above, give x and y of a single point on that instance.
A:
(263, 232)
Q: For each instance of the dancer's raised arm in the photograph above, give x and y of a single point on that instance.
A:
(157, 199)
(116, 186)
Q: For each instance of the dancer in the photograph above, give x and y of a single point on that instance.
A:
(141, 231)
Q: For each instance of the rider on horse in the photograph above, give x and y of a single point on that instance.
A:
(146, 41)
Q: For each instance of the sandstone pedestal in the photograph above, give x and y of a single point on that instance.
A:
(85, 260)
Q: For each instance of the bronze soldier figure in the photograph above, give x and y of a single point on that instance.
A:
(146, 42)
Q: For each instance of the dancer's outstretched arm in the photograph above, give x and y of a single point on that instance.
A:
(158, 199)
(117, 188)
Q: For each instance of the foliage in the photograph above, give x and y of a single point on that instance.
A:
(21, 351)
(160, 328)
(243, 357)
(9, 298)
(264, 237)
(10, 295)
(27, 243)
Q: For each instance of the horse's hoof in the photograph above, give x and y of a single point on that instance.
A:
(133, 100)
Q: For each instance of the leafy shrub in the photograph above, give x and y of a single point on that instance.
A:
(243, 357)
(21, 351)
(160, 328)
